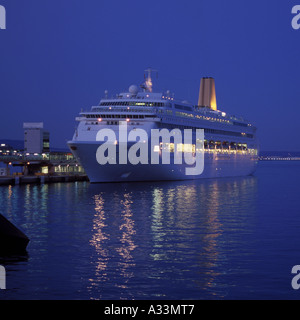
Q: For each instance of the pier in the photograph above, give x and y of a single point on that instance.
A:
(41, 179)
(17, 167)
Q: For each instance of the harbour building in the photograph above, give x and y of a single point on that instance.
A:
(33, 156)
(36, 139)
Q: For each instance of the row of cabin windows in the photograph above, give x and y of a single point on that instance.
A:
(235, 123)
(225, 145)
(240, 124)
(118, 116)
(229, 133)
(132, 103)
(213, 131)
(110, 123)
(124, 116)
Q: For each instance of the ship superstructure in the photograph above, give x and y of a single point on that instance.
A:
(229, 146)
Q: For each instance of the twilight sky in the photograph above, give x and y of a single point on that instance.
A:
(59, 56)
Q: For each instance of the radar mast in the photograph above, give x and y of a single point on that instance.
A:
(147, 85)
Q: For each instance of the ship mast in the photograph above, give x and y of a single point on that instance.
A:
(147, 85)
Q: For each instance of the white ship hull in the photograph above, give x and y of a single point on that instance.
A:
(216, 165)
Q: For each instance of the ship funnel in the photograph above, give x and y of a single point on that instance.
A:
(207, 93)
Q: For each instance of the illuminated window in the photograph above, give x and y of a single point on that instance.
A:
(156, 149)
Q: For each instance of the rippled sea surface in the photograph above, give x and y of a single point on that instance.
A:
(234, 238)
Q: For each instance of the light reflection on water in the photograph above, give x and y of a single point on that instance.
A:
(209, 239)
(171, 235)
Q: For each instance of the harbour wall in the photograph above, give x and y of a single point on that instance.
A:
(40, 179)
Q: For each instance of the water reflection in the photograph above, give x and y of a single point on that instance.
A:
(127, 242)
(174, 240)
(113, 243)
(99, 236)
(180, 238)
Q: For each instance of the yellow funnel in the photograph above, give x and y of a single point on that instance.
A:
(207, 94)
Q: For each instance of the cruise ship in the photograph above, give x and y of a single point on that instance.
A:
(114, 139)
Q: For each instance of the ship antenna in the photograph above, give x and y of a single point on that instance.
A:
(147, 85)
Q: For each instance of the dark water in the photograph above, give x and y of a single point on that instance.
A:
(212, 239)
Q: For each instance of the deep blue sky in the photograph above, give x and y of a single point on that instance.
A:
(58, 56)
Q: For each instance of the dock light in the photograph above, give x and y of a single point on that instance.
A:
(9, 163)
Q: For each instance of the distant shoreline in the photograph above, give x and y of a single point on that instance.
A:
(272, 158)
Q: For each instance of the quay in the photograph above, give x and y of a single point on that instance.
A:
(32, 161)
(21, 168)
(41, 179)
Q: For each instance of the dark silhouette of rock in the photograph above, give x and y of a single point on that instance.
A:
(12, 240)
